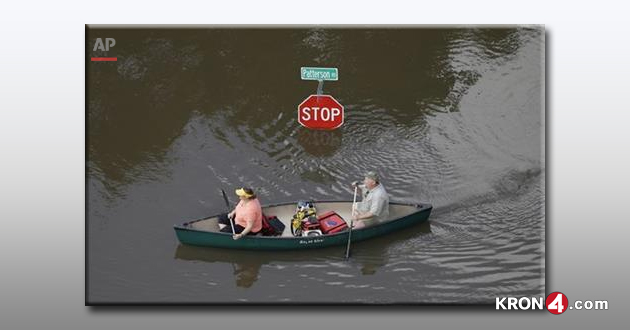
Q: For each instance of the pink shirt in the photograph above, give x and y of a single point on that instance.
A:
(249, 210)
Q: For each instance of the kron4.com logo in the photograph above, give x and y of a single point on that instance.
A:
(556, 303)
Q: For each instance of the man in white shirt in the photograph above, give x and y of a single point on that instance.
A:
(374, 207)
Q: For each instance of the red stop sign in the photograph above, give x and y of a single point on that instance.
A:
(320, 112)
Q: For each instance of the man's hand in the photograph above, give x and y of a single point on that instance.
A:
(360, 216)
(237, 236)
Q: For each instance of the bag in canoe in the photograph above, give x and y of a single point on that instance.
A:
(303, 211)
(272, 226)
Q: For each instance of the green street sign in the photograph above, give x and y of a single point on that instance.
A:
(319, 73)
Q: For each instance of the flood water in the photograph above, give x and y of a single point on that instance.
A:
(452, 117)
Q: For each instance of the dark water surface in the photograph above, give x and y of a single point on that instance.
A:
(453, 117)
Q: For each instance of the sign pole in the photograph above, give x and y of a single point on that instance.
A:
(320, 87)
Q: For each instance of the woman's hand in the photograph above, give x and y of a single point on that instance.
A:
(248, 228)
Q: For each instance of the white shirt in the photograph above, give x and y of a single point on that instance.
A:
(375, 201)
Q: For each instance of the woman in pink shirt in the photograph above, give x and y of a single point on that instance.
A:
(246, 217)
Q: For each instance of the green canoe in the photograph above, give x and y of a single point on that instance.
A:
(205, 232)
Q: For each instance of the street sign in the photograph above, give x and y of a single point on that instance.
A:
(319, 73)
(320, 112)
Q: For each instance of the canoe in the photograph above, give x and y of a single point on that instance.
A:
(205, 231)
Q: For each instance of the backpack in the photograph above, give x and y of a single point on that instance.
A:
(271, 226)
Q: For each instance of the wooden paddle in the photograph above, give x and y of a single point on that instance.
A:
(227, 204)
(354, 201)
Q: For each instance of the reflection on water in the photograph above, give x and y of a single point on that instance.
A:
(448, 116)
(246, 275)
(319, 143)
(247, 264)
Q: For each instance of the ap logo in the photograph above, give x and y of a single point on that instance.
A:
(109, 42)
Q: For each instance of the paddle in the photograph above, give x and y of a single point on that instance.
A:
(227, 204)
(354, 201)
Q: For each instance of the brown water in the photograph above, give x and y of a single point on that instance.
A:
(453, 117)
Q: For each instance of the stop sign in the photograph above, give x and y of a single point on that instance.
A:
(320, 112)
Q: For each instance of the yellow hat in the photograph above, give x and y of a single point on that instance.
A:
(243, 193)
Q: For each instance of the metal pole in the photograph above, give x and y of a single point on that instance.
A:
(354, 203)
(227, 204)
